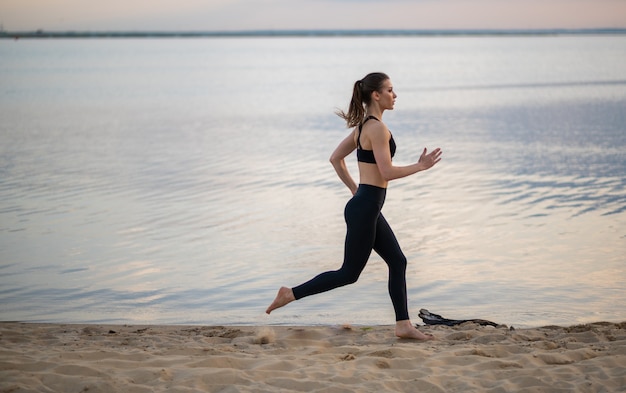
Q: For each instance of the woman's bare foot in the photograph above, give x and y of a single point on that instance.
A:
(284, 297)
(404, 329)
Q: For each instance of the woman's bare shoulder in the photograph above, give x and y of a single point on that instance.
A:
(375, 130)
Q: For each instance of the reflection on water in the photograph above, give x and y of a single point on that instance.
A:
(181, 184)
(577, 196)
(533, 85)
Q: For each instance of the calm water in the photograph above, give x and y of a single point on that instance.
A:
(183, 181)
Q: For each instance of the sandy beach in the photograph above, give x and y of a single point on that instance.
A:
(465, 358)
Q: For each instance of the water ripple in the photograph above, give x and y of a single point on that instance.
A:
(577, 195)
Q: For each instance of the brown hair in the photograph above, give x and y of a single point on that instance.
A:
(361, 97)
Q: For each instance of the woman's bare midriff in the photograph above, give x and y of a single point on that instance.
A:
(369, 174)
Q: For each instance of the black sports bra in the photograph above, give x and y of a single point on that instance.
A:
(368, 155)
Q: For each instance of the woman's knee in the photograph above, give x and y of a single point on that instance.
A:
(349, 276)
(398, 263)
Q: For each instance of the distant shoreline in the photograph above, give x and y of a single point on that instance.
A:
(41, 34)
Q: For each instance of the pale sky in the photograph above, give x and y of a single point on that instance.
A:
(235, 15)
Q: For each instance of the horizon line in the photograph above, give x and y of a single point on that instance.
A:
(41, 33)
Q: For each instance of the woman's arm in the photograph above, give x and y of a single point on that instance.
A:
(346, 147)
(379, 137)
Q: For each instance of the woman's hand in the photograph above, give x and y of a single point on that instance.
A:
(428, 160)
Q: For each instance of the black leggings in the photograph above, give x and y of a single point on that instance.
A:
(367, 230)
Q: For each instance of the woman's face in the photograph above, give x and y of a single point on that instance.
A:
(387, 97)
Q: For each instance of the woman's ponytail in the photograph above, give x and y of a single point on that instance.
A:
(362, 97)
